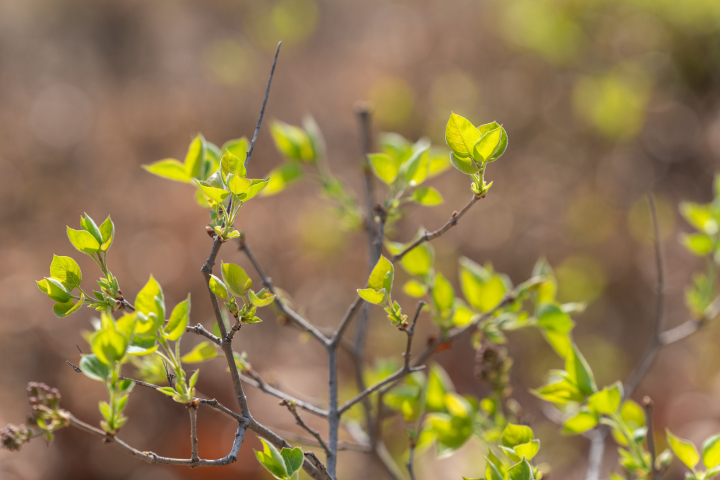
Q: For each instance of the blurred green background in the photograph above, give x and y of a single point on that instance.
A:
(603, 101)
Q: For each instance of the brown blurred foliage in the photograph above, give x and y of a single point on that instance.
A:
(603, 101)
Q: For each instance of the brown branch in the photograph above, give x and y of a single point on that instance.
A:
(299, 421)
(349, 315)
(262, 110)
(428, 236)
(154, 458)
(294, 316)
(411, 460)
(313, 460)
(200, 330)
(193, 432)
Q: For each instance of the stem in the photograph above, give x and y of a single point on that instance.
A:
(193, 432)
(262, 110)
(648, 404)
(334, 414)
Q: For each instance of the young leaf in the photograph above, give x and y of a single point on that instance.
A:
(218, 287)
(67, 271)
(107, 231)
(292, 142)
(271, 459)
(279, 178)
(169, 168)
(93, 368)
(108, 345)
(607, 400)
(461, 135)
(195, 156)
(580, 423)
(178, 320)
(527, 450)
(516, 435)
(384, 167)
(216, 194)
(484, 129)
(711, 451)
(231, 164)
(579, 371)
(236, 280)
(66, 308)
(381, 275)
(443, 294)
(377, 297)
(237, 147)
(427, 196)
(684, 450)
(83, 241)
(193, 379)
(237, 184)
(261, 301)
(698, 243)
(416, 168)
(485, 148)
(293, 459)
(256, 186)
(521, 471)
(202, 352)
(419, 260)
(465, 165)
(149, 301)
(54, 289)
(414, 289)
(169, 391)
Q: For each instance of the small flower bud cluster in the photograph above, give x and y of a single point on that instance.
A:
(46, 417)
(492, 366)
(14, 437)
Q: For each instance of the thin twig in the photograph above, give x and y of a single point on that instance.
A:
(200, 330)
(193, 432)
(334, 413)
(337, 336)
(648, 405)
(294, 316)
(262, 110)
(140, 382)
(411, 460)
(260, 384)
(310, 457)
(299, 421)
(151, 457)
(427, 236)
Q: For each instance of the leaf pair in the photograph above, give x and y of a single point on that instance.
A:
(92, 239)
(284, 464)
(379, 283)
(472, 147)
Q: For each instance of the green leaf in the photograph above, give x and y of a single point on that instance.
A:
(178, 320)
(487, 146)
(67, 271)
(711, 451)
(238, 185)
(607, 401)
(231, 164)
(261, 301)
(89, 225)
(66, 308)
(482, 289)
(141, 345)
(698, 243)
(461, 135)
(559, 392)
(416, 168)
(216, 194)
(271, 459)
(415, 289)
(528, 450)
(443, 294)
(579, 371)
(494, 472)
(465, 165)
(107, 231)
(238, 148)
(384, 167)
(521, 471)
(462, 314)
(551, 317)
(150, 302)
(256, 186)
(169, 168)
(377, 297)
(195, 156)
(83, 241)
(427, 196)
(700, 217)
(632, 414)
(93, 368)
(218, 287)
(54, 289)
(193, 380)
(580, 423)
(292, 142)
(279, 178)
(419, 260)
(293, 459)
(516, 435)
(202, 352)
(109, 345)
(484, 129)
(169, 391)
(236, 280)
(684, 450)
(438, 385)
(382, 275)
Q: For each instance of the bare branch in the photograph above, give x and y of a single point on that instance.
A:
(334, 414)
(200, 330)
(337, 336)
(193, 432)
(262, 110)
(298, 420)
(411, 460)
(140, 382)
(597, 451)
(427, 236)
(151, 457)
(313, 460)
(213, 403)
(294, 316)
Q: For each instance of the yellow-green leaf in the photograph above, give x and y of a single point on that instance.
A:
(67, 271)
(178, 320)
(461, 135)
(236, 280)
(216, 194)
(202, 352)
(465, 165)
(384, 167)
(373, 296)
(281, 177)
(684, 450)
(169, 168)
(428, 196)
(261, 301)
(485, 148)
(83, 241)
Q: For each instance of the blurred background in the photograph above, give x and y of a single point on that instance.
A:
(603, 101)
